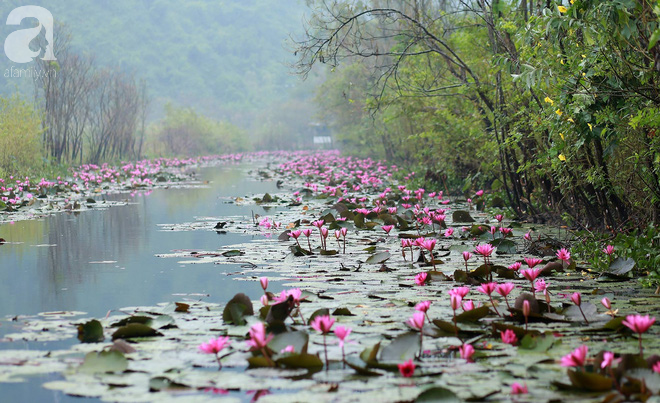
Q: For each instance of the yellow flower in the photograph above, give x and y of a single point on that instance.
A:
(590, 126)
(561, 61)
(561, 135)
(558, 112)
(549, 101)
(584, 57)
(562, 157)
(571, 120)
(562, 9)
(572, 1)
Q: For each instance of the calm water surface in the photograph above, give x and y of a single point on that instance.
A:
(52, 263)
(60, 262)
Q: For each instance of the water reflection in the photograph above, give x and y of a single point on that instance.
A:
(104, 259)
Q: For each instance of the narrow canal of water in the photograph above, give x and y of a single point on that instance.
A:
(94, 261)
(104, 259)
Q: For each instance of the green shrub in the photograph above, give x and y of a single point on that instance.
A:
(20, 137)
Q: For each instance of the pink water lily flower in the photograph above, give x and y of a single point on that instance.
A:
(515, 266)
(322, 323)
(467, 255)
(505, 289)
(428, 244)
(576, 297)
(417, 320)
(214, 346)
(407, 369)
(531, 274)
(258, 337)
(564, 255)
(509, 337)
(264, 282)
(656, 367)
(608, 357)
(531, 261)
(540, 286)
(342, 333)
(576, 358)
(639, 324)
(420, 279)
(387, 228)
(288, 349)
(606, 303)
(467, 351)
(518, 389)
(455, 301)
(423, 306)
(460, 291)
(295, 234)
(468, 305)
(449, 232)
(484, 249)
(487, 288)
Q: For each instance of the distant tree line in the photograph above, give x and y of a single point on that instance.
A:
(91, 113)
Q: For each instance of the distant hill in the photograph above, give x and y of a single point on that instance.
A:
(225, 58)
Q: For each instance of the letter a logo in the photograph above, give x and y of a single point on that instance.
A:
(17, 44)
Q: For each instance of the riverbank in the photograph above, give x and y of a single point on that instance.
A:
(367, 278)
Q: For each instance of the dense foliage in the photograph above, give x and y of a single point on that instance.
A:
(20, 137)
(185, 132)
(557, 103)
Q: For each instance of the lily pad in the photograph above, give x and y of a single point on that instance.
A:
(461, 216)
(308, 361)
(403, 348)
(91, 332)
(103, 362)
(590, 381)
(378, 258)
(236, 310)
(135, 330)
(437, 394)
(620, 267)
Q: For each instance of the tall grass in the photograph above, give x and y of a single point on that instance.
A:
(21, 152)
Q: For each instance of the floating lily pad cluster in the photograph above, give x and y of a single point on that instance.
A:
(391, 294)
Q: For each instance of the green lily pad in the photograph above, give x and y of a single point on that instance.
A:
(437, 394)
(103, 362)
(378, 258)
(308, 361)
(236, 310)
(403, 348)
(473, 315)
(537, 343)
(298, 340)
(461, 216)
(91, 332)
(135, 330)
(590, 381)
(342, 312)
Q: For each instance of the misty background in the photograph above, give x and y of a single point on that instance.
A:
(224, 64)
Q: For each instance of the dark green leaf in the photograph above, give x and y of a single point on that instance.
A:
(91, 332)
